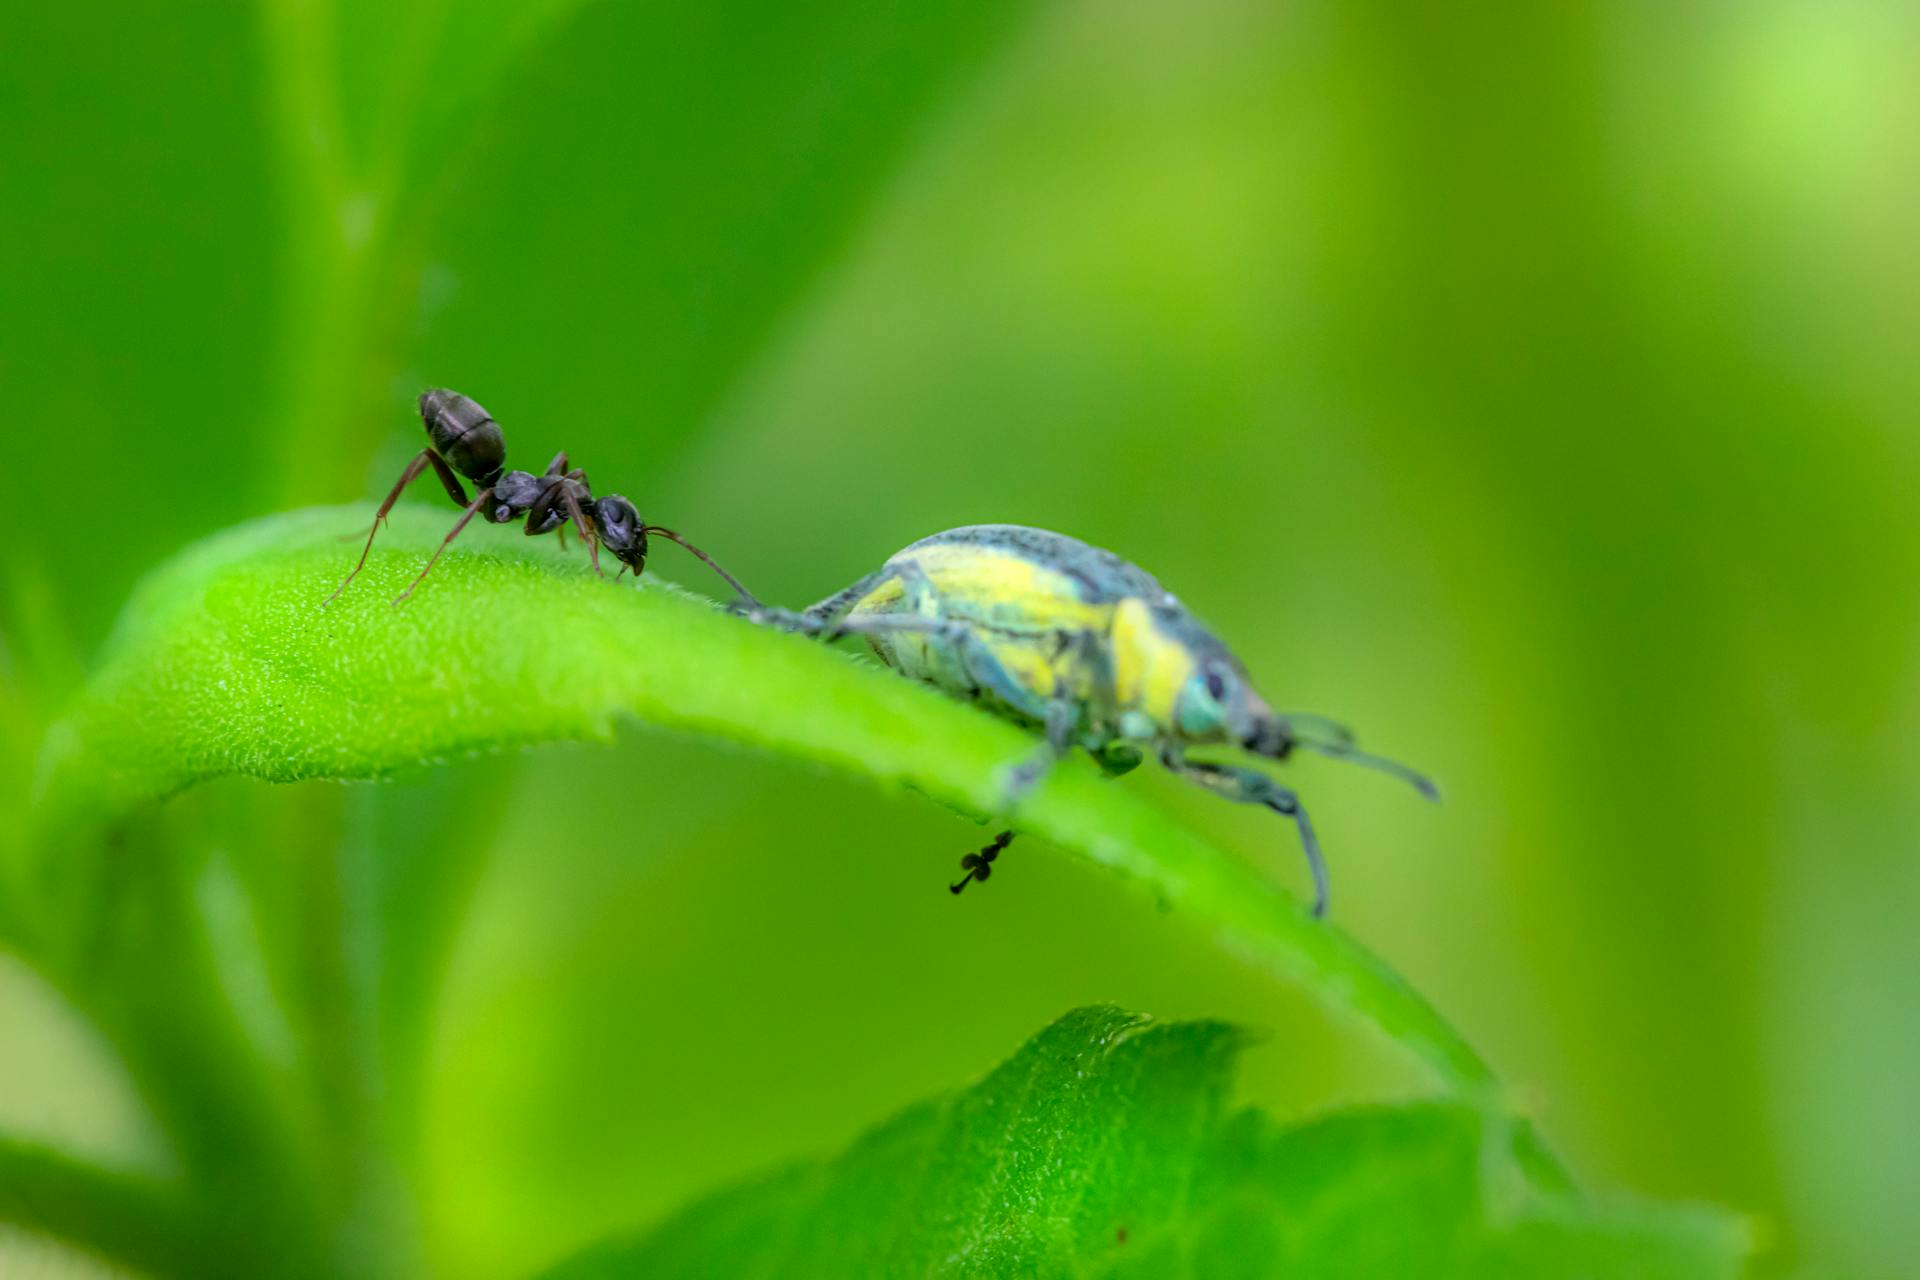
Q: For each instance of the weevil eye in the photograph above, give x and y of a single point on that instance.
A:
(1203, 708)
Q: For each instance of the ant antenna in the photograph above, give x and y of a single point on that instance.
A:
(707, 560)
(979, 866)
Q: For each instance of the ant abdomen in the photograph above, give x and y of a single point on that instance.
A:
(464, 434)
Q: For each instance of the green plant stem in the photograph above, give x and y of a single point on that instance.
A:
(137, 969)
(125, 1218)
(336, 223)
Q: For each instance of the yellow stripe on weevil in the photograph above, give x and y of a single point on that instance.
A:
(1150, 667)
(1003, 587)
(1030, 662)
(881, 599)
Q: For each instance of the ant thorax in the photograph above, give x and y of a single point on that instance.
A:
(513, 493)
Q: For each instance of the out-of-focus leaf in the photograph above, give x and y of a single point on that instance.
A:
(228, 662)
(128, 1218)
(1106, 1147)
(136, 288)
(590, 214)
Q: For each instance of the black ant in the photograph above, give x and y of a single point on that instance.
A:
(463, 438)
(979, 866)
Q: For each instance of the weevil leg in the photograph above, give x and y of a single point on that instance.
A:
(835, 628)
(479, 500)
(828, 617)
(1250, 786)
(1062, 719)
(1114, 759)
(772, 615)
(969, 640)
(819, 616)
(812, 620)
(1118, 758)
(980, 663)
(1060, 715)
(425, 458)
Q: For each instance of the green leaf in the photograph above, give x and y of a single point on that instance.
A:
(227, 662)
(125, 1217)
(1107, 1147)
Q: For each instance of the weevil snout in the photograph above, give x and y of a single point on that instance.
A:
(1269, 736)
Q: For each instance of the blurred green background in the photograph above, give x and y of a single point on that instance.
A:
(1532, 386)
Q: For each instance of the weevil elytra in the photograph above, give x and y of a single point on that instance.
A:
(1086, 648)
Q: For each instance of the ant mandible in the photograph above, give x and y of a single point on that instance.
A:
(463, 438)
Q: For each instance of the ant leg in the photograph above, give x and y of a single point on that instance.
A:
(448, 481)
(407, 477)
(558, 465)
(479, 500)
(1249, 786)
(586, 529)
(542, 508)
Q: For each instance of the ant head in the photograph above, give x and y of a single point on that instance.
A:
(622, 531)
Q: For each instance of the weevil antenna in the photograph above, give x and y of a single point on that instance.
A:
(707, 560)
(1316, 724)
(1393, 768)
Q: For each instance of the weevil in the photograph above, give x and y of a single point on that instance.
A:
(1087, 649)
(464, 440)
